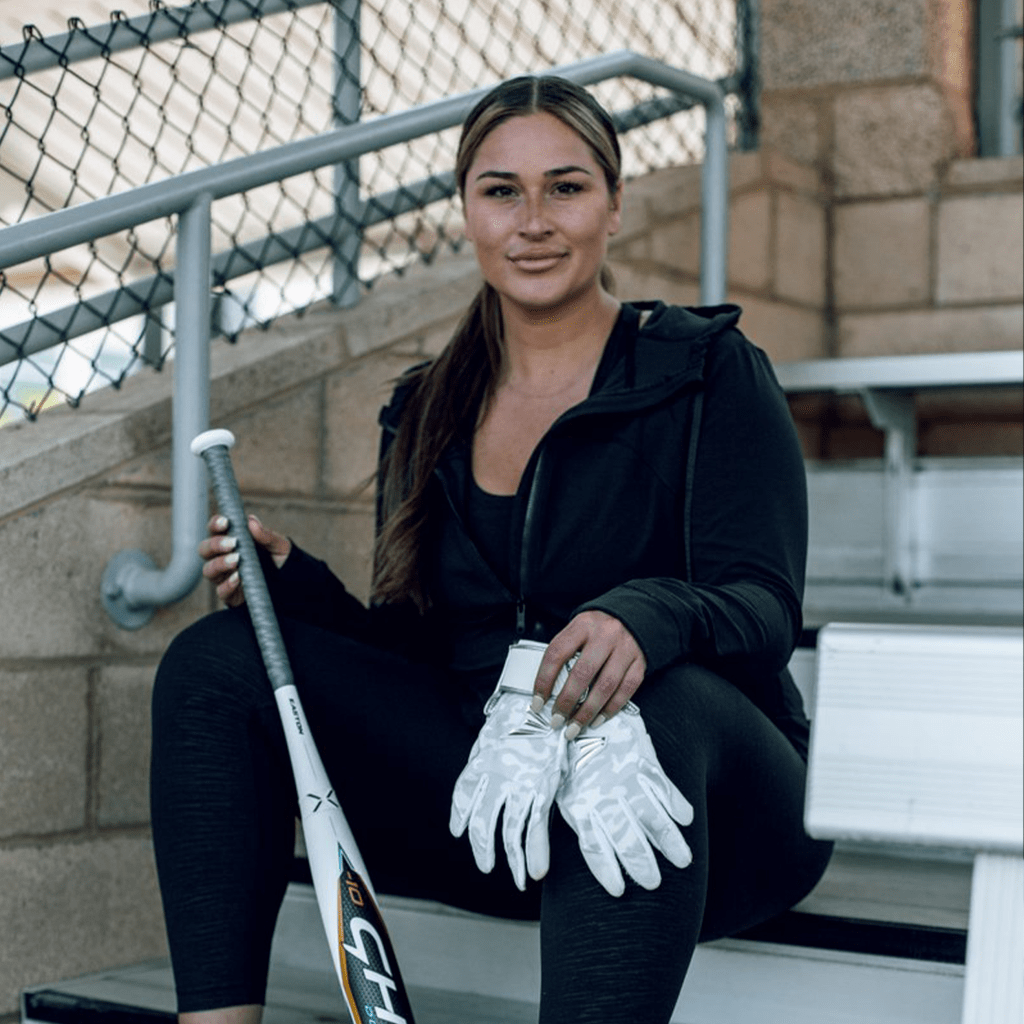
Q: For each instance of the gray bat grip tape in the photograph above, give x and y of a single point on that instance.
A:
(257, 597)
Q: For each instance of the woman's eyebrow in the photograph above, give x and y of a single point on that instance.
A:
(555, 172)
(504, 175)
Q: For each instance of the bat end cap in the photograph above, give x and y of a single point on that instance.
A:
(211, 439)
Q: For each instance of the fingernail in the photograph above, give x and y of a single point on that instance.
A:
(254, 519)
(231, 559)
(598, 721)
(557, 721)
(220, 523)
(537, 703)
(233, 578)
(228, 543)
(573, 731)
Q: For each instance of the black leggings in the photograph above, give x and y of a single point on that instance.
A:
(394, 736)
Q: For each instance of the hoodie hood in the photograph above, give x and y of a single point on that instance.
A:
(667, 353)
(634, 375)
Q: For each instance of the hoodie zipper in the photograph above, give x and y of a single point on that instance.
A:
(527, 532)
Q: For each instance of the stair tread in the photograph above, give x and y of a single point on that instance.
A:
(294, 996)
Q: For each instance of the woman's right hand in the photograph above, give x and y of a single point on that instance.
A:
(220, 557)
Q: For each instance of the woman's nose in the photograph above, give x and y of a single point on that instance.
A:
(534, 217)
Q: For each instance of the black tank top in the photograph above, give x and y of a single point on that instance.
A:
(489, 521)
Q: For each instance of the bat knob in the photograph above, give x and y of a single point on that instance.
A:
(210, 439)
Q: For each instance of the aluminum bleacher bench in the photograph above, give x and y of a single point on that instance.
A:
(918, 743)
(907, 536)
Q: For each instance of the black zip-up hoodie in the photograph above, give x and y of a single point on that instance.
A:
(673, 497)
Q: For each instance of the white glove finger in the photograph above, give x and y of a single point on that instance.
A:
(513, 821)
(674, 848)
(538, 848)
(666, 837)
(468, 790)
(483, 821)
(643, 869)
(679, 807)
(629, 842)
(658, 825)
(662, 789)
(597, 851)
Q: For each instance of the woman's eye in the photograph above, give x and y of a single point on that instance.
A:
(499, 191)
(568, 188)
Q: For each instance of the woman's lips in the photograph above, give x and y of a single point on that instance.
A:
(537, 262)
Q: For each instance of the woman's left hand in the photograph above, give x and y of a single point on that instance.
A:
(610, 664)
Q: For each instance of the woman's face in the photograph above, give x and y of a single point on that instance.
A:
(539, 213)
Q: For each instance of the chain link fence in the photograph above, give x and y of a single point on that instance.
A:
(163, 91)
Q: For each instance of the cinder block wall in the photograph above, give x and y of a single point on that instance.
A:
(924, 243)
(777, 248)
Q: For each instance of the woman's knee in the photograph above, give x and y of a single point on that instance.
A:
(708, 734)
(687, 704)
(214, 658)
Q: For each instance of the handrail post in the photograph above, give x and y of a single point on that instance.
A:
(345, 289)
(714, 241)
(133, 588)
(714, 222)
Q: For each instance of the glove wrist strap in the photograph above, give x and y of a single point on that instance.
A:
(520, 671)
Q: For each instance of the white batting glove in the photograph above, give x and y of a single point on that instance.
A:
(619, 802)
(516, 764)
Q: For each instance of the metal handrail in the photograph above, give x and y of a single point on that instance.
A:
(132, 587)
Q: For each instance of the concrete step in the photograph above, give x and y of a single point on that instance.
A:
(144, 994)
(463, 968)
